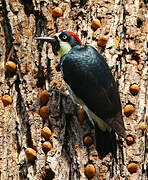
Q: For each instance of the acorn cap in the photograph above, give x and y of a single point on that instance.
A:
(30, 153)
(132, 167)
(46, 133)
(95, 24)
(44, 112)
(90, 170)
(129, 109)
(10, 66)
(44, 97)
(102, 40)
(57, 12)
(6, 99)
(46, 146)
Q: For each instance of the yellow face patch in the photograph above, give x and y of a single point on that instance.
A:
(64, 46)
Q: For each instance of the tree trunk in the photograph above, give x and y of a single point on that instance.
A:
(124, 22)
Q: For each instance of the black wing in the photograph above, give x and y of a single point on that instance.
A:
(90, 78)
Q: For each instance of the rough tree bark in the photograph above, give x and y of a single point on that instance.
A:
(124, 22)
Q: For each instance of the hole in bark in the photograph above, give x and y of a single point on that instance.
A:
(41, 23)
(108, 13)
(131, 161)
(80, 13)
(28, 135)
(84, 33)
(28, 6)
(23, 171)
(56, 26)
(139, 23)
(93, 38)
(49, 174)
(72, 4)
(124, 29)
(126, 13)
(42, 3)
(9, 74)
(48, 72)
(17, 138)
(57, 67)
(40, 77)
(82, 2)
(143, 170)
(135, 57)
(106, 33)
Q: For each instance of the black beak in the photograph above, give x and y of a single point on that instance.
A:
(53, 41)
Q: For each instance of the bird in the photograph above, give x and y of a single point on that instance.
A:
(90, 83)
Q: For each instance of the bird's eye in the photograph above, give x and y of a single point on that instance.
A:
(64, 37)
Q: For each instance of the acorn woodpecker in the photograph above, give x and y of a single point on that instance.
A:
(89, 81)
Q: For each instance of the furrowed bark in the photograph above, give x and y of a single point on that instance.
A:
(125, 23)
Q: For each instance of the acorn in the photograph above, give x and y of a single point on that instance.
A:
(44, 97)
(57, 12)
(133, 62)
(46, 133)
(6, 99)
(30, 153)
(10, 66)
(102, 41)
(132, 167)
(88, 141)
(134, 89)
(142, 125)
(129, 109)
(81, 115)
(46, 146)
(44, 112)
(129, 140)
(95, 24)
(90, 171)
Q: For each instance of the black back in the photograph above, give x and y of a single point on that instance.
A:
(90, 78)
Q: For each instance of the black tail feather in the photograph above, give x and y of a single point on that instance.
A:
(105, 142)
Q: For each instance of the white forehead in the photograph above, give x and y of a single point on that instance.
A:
(57, 35)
